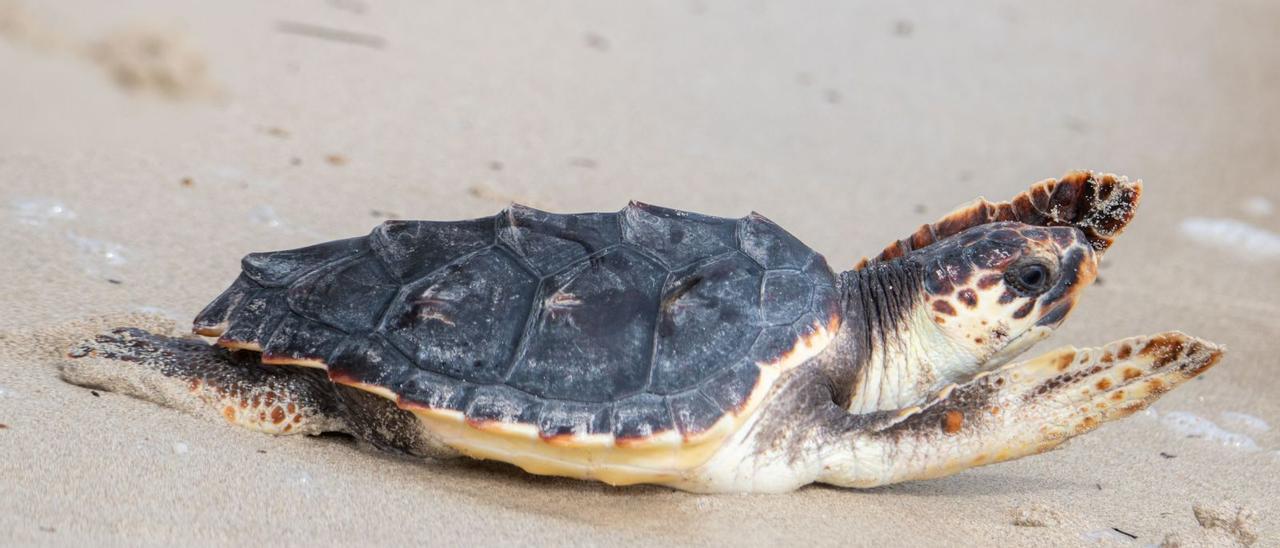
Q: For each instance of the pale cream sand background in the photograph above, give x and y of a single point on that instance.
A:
(847, 124)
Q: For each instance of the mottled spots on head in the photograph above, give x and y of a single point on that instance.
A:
(952, 420)
(995, 282)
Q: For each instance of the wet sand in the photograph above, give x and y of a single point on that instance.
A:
(146, 146)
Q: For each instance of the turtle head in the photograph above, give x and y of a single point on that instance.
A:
(984, 283)
(995, 290)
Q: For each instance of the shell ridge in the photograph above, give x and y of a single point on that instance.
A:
(585, 260)
(379, 251)
(330, 267)
(272, 333)
(621, 219)
(647, 255)
(249, 263)
(511, 229)
(714, 402)
(408, 287)
(233, 309)
(333, 354)
(531, 318)
(511, 245)
(653, 333)
(518, 257)
(740, 235)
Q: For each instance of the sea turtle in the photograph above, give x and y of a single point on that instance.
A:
(653, 345)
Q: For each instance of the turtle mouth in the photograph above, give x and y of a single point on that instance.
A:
(1054, 316)
(1056, 312)
(1017, 346)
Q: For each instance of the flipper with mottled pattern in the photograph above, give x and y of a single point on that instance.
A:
(1100, 205)
(1021, 409)
(190, 375)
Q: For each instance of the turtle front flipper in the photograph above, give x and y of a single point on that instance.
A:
(1099, 204)
(192, 376)
(1021, 409)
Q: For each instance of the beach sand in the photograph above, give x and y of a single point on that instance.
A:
(145, 146)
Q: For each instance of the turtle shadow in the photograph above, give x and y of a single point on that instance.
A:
(647, 511)
(651, 511)
(964, 485)
(505, 476)
(506, 487)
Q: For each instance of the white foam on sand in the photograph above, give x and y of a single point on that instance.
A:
(1195, 426)
(99, 251)
(266, 215)
(40, 211)
(1243, 238)
(98, 257)
(1258, 206)
(1246, 420)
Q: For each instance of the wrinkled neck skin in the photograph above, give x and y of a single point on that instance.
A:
(889, 354)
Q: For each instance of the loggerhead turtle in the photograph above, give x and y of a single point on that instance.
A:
(653, 345)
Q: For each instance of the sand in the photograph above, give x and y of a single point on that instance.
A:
(145, 146)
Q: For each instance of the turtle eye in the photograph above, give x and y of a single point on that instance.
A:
(1029, 278)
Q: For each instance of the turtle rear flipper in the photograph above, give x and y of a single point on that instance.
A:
(1022, 409)
(1100, 205)
(191, 376)
(208, 381)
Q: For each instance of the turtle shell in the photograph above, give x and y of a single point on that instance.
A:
(646, 328)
